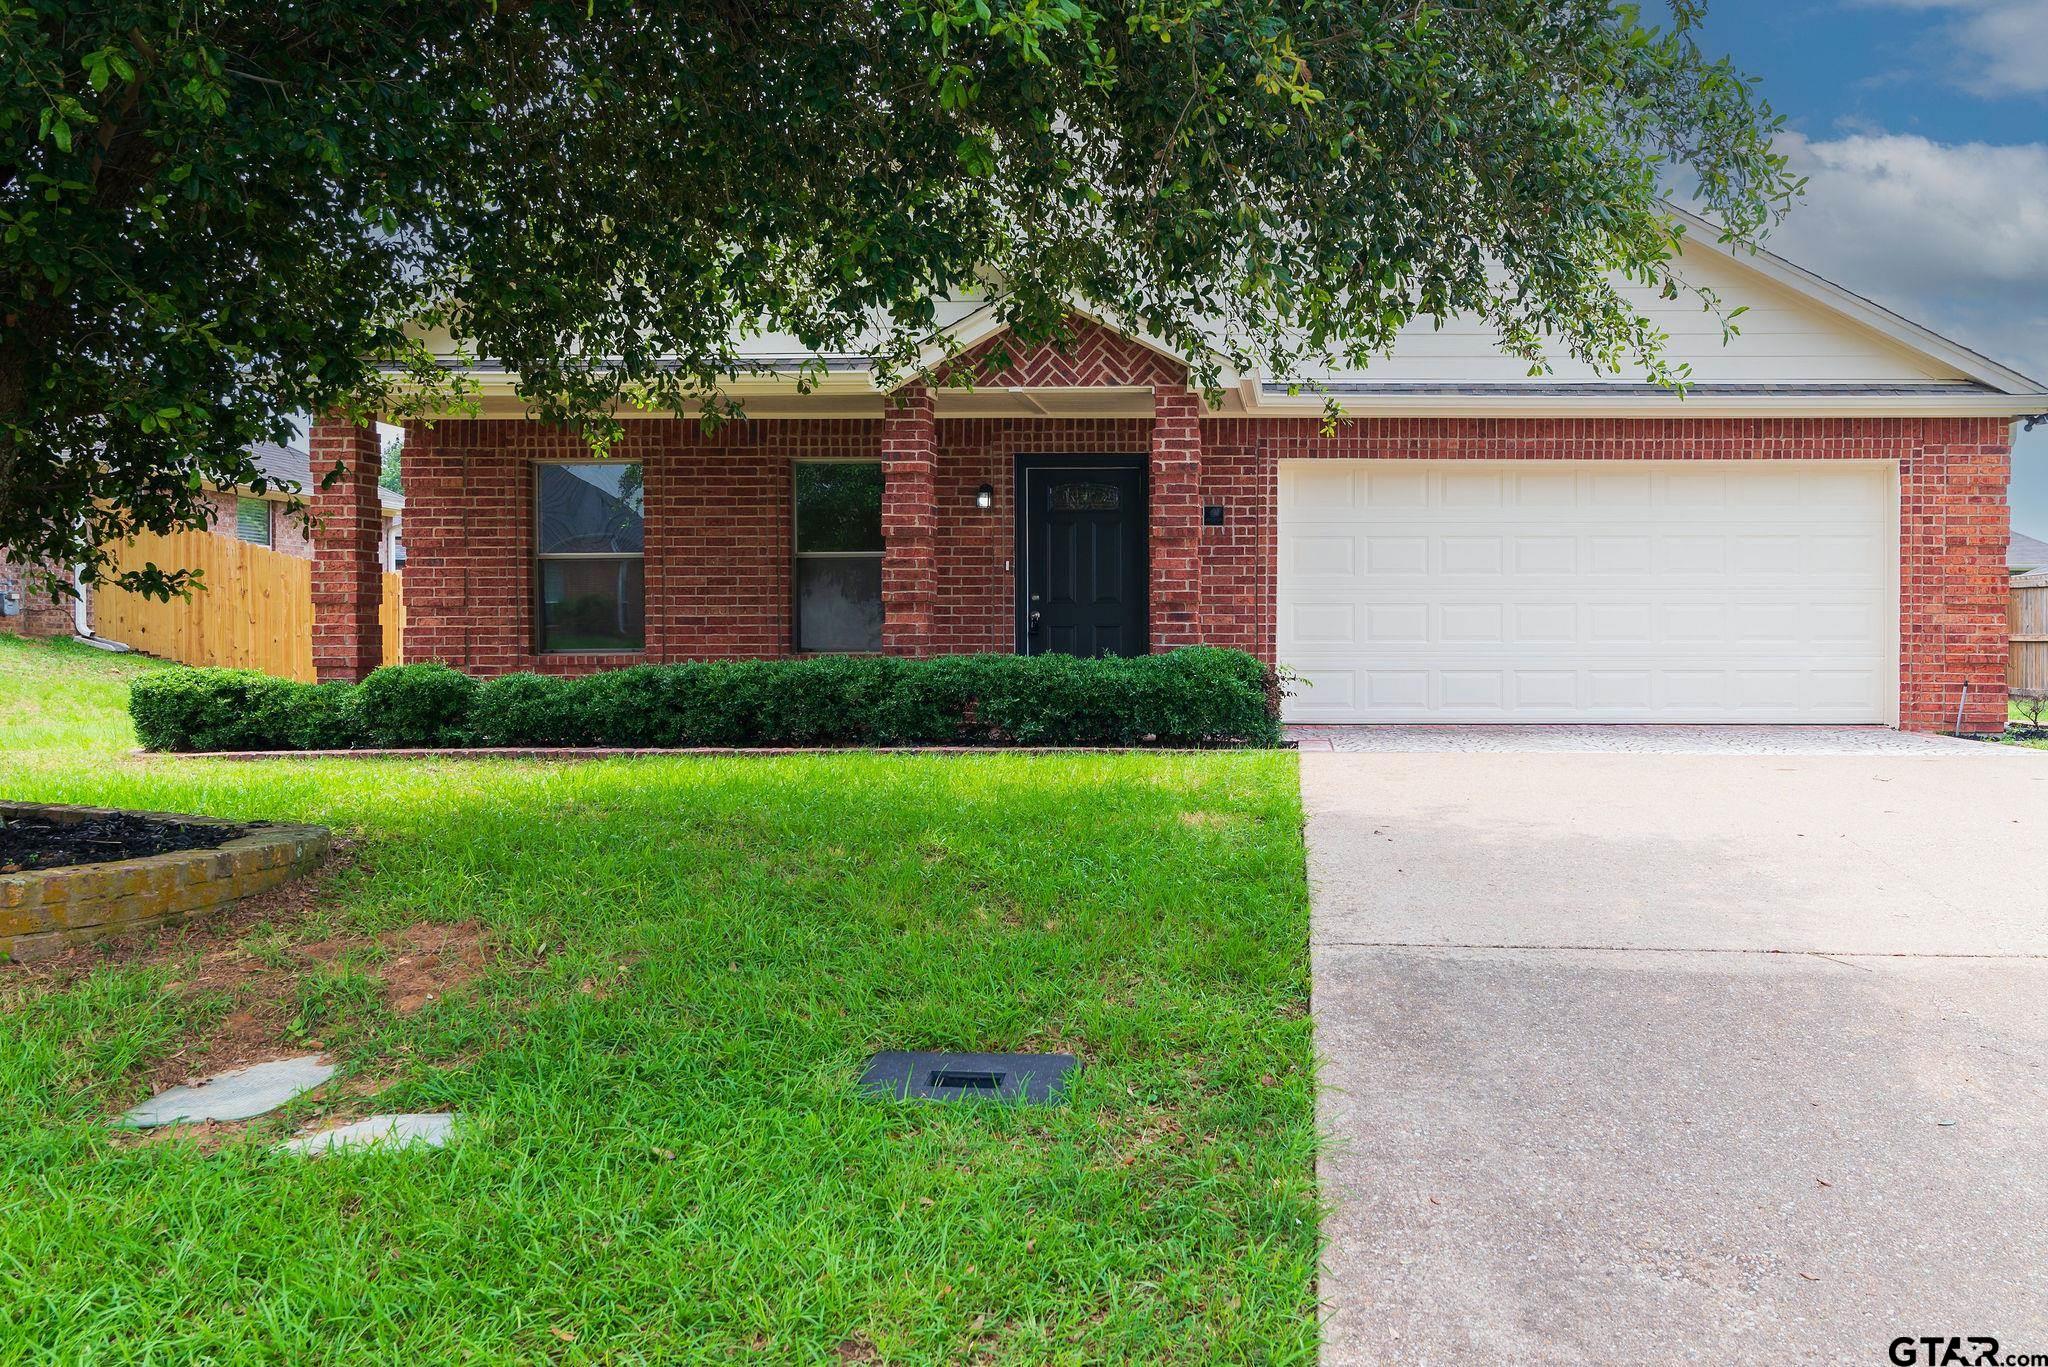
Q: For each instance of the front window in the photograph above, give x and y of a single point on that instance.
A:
(593, 585)
(252, 520)
(839, 555)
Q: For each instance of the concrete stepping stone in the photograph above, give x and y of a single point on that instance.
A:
(236, 1095)
(430, 1130)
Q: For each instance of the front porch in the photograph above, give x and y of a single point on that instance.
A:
(717, 558)
(903, 532)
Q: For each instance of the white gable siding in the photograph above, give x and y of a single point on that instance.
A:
(1782, 339)
(949, 314)
(1803, 347)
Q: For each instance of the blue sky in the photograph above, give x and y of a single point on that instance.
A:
(1923, 125)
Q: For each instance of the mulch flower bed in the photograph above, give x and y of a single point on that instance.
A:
(36, 842)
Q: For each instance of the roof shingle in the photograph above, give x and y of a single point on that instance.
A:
(291, 468)
(2024, 552)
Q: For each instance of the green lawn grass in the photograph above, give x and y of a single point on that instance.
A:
(61, 696)
(2016, 712)
(664, 1157)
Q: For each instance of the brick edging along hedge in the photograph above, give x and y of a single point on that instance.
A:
(572, 754)
(1198, 696)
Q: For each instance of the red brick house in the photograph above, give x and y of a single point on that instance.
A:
(1815, 533)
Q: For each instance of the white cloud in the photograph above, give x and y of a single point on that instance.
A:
(2012, 43)
(1990, 48)
(1953, 235)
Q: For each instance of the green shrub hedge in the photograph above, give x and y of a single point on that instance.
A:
(1198, 696)
(415, 705)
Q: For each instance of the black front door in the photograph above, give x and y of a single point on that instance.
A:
(1082, 541)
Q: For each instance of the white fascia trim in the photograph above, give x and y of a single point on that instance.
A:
(972, 329)
(497, 384)
(964, 336)
(1975, 404)
(832, 396)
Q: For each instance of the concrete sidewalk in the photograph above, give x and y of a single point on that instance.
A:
(1676, 1057)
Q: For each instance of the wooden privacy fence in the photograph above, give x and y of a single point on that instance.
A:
(256, 611)
(2026, 613)
(391, 616)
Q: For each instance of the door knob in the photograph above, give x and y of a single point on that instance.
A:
(1032, 620)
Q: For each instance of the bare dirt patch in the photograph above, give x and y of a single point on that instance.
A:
(254, 956)
(429, 960)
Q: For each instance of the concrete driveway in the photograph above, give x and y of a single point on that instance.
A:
(1657, 1049)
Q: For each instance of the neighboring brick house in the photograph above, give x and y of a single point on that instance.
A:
(265, 520)
(260, 519)
(27, 610)
(1816, 532)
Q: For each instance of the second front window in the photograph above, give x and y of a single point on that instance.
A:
(839, 555)
(591, 539)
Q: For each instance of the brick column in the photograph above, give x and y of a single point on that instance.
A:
(348, 580)
(1176, 518)
(1953, 527)
(910, 577)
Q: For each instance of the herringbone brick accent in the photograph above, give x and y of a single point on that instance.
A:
(1093, 356)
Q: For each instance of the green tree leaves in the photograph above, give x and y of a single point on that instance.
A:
(213, 218)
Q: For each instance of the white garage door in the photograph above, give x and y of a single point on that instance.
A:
(1466, 591)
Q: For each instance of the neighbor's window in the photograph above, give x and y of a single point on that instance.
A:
(252, 520)
(593, 588)
(838, 555)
